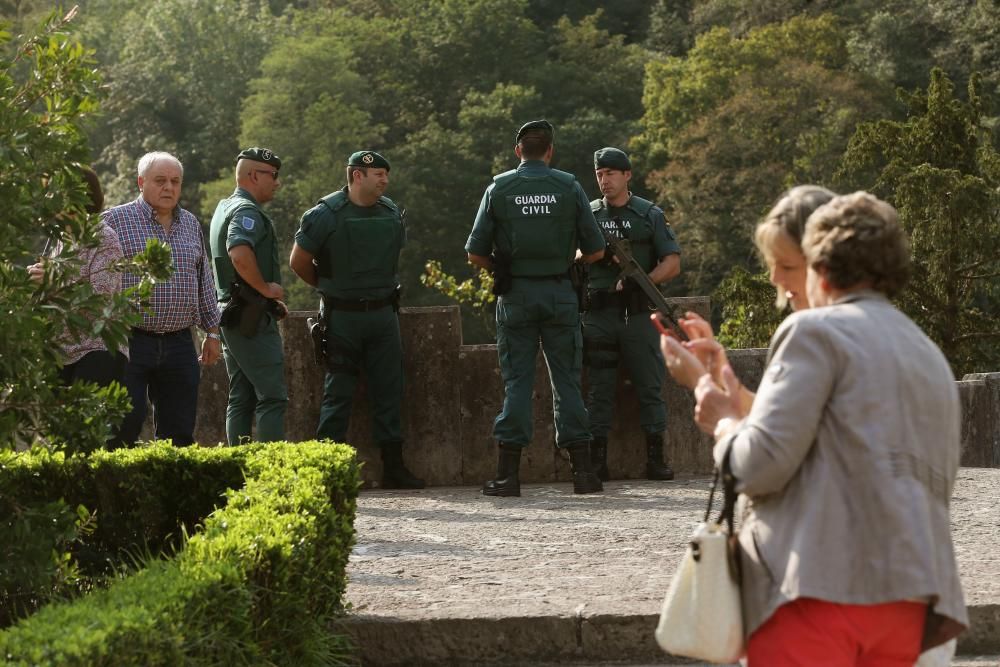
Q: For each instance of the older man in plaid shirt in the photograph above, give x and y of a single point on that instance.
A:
(163, 363)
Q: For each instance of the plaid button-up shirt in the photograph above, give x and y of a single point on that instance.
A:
(189, 296)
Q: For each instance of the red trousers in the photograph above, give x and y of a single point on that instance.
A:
(814, 633)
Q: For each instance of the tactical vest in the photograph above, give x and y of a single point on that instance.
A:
(633, 223)
(266, 248)
(362, 253)
(536, 221)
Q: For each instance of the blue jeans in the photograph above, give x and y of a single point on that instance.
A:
(164, 368)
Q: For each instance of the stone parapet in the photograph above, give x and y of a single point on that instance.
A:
(980, 394)
(454, 391)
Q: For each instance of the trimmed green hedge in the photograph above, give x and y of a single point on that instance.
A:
(257, 584)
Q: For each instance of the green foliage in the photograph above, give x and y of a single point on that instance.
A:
(441, 97)
(941, 171)
(626, 17)
(38, 566)
(476, 292)
(258, 584)
(144, 500)
(47, 86)
(737, 121)
(177, 73)
(749, 314)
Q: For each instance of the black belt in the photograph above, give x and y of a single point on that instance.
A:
(159, 334)
(356, 305)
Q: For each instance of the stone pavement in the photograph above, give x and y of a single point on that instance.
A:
(445, 576)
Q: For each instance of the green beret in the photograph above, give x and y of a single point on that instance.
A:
(612, 158)
(260, 155)
(539, 125)
(368, 159)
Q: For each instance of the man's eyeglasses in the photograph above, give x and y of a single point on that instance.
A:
(274, 174)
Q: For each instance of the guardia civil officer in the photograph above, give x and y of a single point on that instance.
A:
(530, 223)
(616, 328)
(247, 281)
(347, 247)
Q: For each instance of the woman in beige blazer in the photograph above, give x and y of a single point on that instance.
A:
(849, 454)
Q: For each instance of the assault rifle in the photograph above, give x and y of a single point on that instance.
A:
(630, 268)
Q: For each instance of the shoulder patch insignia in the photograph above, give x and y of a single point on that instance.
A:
(248, 222)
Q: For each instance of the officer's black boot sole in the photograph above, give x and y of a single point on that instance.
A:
(584, 478)
(586, 482)
(506, 484)
(395, 474)
(656, 469)
(505, 488)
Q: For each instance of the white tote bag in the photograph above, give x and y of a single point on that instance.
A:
(701, 615)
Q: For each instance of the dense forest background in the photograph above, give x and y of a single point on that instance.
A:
(722, 103)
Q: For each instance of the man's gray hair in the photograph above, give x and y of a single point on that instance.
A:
(147, 160)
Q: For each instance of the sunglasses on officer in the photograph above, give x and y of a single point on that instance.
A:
(273, 173)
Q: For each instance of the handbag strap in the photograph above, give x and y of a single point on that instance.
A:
(728, 511)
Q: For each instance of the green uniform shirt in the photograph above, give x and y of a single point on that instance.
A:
(356, 247)
(483, 238)
(646, 228)
(239, 220)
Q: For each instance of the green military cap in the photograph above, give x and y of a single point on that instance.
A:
(612, 158)
(264, 155)
(542, 125)
(368, 159)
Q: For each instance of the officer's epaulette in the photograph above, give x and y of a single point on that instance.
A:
(335, 200)
(597, 205)
(389, 204)
(641, 206)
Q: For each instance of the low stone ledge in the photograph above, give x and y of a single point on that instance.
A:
(980, 395)
(453, 392)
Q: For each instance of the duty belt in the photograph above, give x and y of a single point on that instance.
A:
(356, 305)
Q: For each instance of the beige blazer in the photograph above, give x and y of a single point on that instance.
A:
(849, 456)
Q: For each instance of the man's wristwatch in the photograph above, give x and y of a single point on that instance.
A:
(213, 336)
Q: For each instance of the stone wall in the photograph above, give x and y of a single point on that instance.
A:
(454, 391)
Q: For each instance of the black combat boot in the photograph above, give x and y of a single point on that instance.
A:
(508, 465)
(584, 479)
(394, 472)
(656, 468)
(599, 458)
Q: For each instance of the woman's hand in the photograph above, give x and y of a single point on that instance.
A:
(695, 326)
(701, 354)
(685, 367)
(717, 402)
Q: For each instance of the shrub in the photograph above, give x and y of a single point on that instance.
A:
(258, 583)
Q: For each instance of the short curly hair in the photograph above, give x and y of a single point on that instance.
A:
(857, 239)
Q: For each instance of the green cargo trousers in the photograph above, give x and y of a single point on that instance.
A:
(610, 341)
(541, 312)
(369, 341)
(256, 368)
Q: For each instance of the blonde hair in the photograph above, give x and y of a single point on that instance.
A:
(787, 219)
(857, 238)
